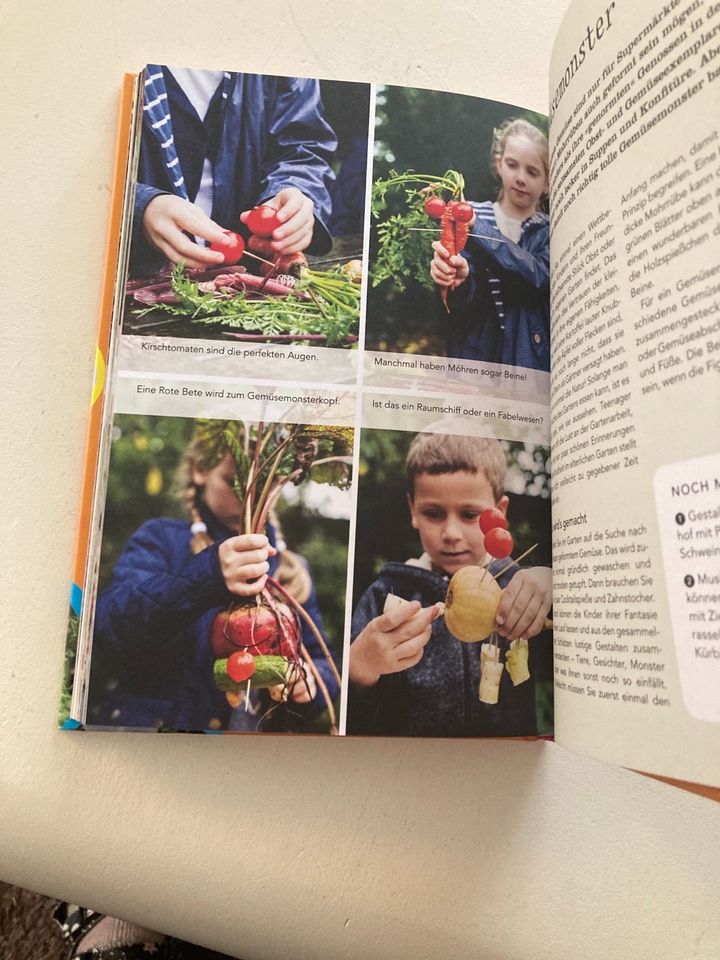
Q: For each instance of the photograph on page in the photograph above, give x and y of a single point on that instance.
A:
(248, 208)
(220, 597)
(450, 633)
(459, 261)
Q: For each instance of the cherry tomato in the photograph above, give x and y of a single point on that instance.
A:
(491, 518)
(462, 212)
(240, 666)
(232, 253)
(434, 207)
(262, 220)
(498, 543)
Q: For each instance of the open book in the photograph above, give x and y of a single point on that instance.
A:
(343, 326)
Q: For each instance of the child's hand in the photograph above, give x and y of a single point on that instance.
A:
(445, 270)
(304, 689)
(244, 563)
(391, 643)
(525, 603)
(165, 221)
(297, 216)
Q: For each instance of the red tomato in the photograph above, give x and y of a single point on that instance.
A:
(498, 543)
(232, 253)
(240, 666)
(434, 207)
(491, 518)
(462, 212)
(262, 220)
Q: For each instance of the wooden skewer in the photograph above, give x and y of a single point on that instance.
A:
(521, 557)
(269, 263)
(432, 230)
(246, 253)
(548, 624)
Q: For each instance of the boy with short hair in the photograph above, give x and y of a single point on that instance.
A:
(408, 675)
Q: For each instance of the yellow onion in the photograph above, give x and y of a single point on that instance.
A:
(471, 604)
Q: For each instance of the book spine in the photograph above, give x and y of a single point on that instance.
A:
(92, 447)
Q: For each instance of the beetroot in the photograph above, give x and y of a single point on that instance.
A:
(269, 628)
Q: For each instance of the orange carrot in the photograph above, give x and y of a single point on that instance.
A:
(462, 214)
(461, 235)
(447, 238)
(447, 230)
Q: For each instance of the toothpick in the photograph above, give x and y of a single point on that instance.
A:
(247, 696)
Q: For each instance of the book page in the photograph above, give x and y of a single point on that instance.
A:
(635, 174)
(327, 399)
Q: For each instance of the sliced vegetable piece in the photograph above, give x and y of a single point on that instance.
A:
(516, 661)
(394, 602)
(269, 671)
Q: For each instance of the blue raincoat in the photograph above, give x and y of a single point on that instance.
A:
(262, 133)
(501, 314)
(152, 665)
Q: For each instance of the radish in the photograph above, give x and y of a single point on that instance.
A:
(492, 517)
(434, 206)
(462, 212)
(232, 252)
(262, 220)
(498, 543)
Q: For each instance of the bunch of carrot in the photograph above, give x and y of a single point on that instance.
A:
(399, 255)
